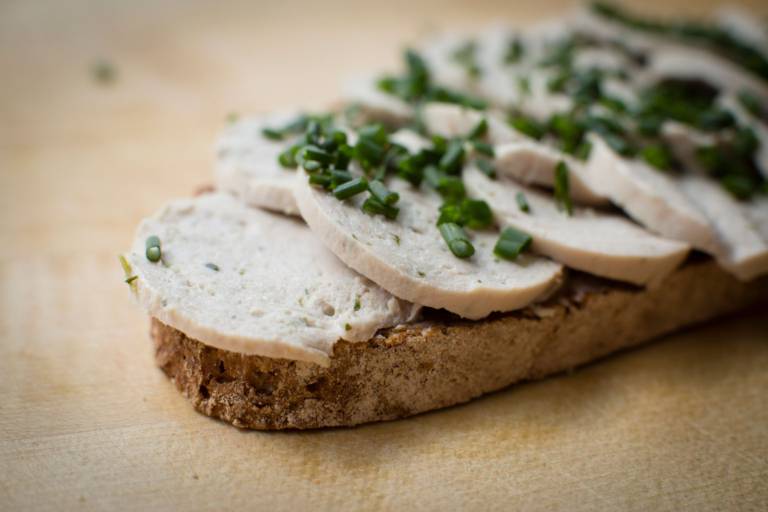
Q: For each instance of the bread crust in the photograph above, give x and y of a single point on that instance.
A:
(444, 360)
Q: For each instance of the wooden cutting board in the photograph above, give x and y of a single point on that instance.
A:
(86, 420)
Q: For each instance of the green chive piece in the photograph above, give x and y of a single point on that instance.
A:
(486, 167)
(347, 327)
(515, 51)
(382, 193)
(152, 241)
(658, 156)
(457, 240)
(272, 133)
(562, 188)
(522, 202)
(321, 179)
(477, 214)
(317, 154)
(104, 72)
(350, 188)
(311, 165)
(131, 279)
(338, 177)
(484, 148)
(453, 158)
(357, 303)
(751, 103)
(153, 253)
(479, 130)
(373, 206)
(213, 266)
(451, 187)
(511, 243)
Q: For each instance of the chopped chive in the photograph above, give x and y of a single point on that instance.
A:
(152, 241)
(515, 51)
(511, 243)
(751, 103)
(479, 130)
(451, 187)
(104, 72)
(357, 303)
(484, 148)
(350, 188)
(562, 188)
(153, 253)
(272, 133)
(347, 327)
(213, 266)
(457, 240)
(477, 214)
(522, 202)
(382, 193)
(486, 167)
(452, 159)
(323, 180)
(658, 156)
(527, 125)
(131, 279)
(397, 239)
(373, 206)
(339, 177)
(317, 154)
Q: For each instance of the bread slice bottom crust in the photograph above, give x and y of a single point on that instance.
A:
(444, 361)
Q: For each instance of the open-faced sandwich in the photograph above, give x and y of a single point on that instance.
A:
(511, 204)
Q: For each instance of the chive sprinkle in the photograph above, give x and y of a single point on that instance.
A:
(486, 167)
(373, 206)
(131, 279)
(357, 303)
(350, 188)
(153, 251)
(213, 266)
(382, 193)
(154, 254)
(522, 202)
(562, 188)
(479, 130)
(511, 243)
(456, 238)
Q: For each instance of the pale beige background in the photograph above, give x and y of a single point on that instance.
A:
(87, 422)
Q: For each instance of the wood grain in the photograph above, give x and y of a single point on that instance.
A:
(86, 420)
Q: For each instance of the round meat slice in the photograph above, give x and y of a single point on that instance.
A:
(600, 244)
(254, 282)
(409, 258)
(376, 104)
(517, 155)
(247, 166)
(648, 196)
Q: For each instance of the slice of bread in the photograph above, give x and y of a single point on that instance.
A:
(444, 360)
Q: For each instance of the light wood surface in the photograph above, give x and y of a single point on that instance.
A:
(86, 420)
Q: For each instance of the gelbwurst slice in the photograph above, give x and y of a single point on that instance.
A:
(451, 120)
(743, 251)
(597, 243)
(254, 282)
(409, 258)
(517, 155)
(649, 197)
(247, 166)
(362, 92)
(534, 163)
